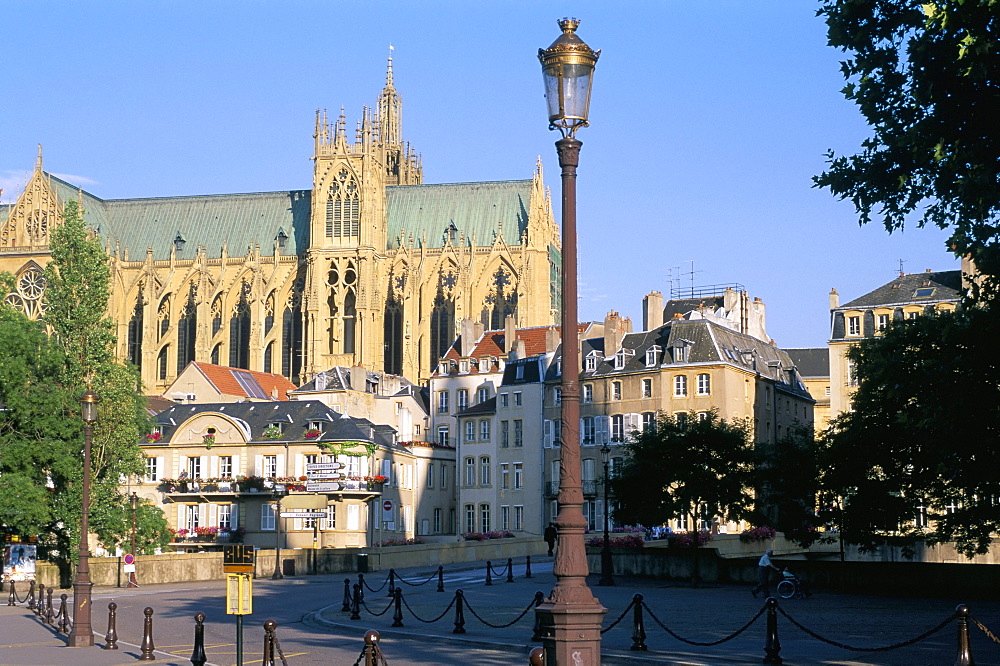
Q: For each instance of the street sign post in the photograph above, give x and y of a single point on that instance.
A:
(321, 487)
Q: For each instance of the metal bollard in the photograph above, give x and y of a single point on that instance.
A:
(397, 614)
(772, 646)
(489, 572)
(11, 598)
(510, 570)
(63, 613)
(40, 606)
(361, 584)
(50, 615)
(269, 626)
(459, 612)
(371, 650)
(440, 578)
(527, 566)
(356, 607)
(536, 631)
(392, 583)
(31, 594)
(638, 627)
(111, 638)
(346, 608)
(964, 652)
(147, 647)
(198, 657)
(537, 657)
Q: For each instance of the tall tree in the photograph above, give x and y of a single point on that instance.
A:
(686, 466)
(786, 477)
(916, 458)
(926, 77)
(41, 380)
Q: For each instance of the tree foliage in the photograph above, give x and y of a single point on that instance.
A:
(42, 377)
(926, 77)
(683, 467)
(923, 435)
(786, 477)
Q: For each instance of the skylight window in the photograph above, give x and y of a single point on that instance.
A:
(924, 292)
(249, 385)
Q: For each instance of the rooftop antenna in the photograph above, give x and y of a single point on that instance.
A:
(691, 273)
(901, 272)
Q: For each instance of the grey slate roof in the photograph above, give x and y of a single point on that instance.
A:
(485, 407)
(947, 286)
(811, 361)
(240, 221)
(293, 414)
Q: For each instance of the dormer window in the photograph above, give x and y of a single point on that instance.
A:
(590, 363)
(443, 367)
(681, 352)
(622, 357)
(282, 237)
(653, 356)
(519, 372)
(179, 241)
(463, 366)
(316, 425)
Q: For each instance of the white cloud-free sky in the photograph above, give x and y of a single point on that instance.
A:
(708, 121)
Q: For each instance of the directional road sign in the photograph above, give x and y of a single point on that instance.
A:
(323, 475)
(323, 467)
(322, 487)
(301, 514)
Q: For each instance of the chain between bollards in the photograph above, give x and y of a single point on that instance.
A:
(638, 627)
(198, 657)
(147, 646)
(111, 638)
(772, 646)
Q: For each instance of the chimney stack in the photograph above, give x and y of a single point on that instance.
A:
(834, 299)
(613, 333)
(551, 338)
(652, 311)
(469, 337)
(509, 333)
(359, 378)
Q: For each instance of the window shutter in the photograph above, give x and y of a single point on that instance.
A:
(213, 515)
(236, 467)
(602, 430)
(234, 517)
(258, 465)
(548, 434)
(161, 467)
(281, 470)
(213, 466)
(203, 466)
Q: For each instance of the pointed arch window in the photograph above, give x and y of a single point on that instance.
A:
(187, 325)
(239, 333)
(442, 327)
(500, 301)
(393, 337)
(343, 206)
(135, 332)
(350, 321)
(291, 334)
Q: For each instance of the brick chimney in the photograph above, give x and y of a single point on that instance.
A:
(614, 331)
(359, 378)
(470, 331)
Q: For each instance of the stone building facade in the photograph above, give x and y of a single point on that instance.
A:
(370, 266)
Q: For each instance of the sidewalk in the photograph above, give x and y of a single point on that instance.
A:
(27, 641)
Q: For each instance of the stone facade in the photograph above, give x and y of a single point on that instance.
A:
(370, 266)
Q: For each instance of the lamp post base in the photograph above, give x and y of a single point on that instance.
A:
(82, 634)
(571, 633)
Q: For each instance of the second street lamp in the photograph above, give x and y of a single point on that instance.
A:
(280, 490)
(82, 634)
(134, 503)
(607, 565)
(571, 616)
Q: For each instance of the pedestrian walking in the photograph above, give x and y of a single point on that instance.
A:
(764, 566)
(550, 536)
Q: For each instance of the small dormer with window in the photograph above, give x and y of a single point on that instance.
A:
(653, 356)
(680, 351)
(622, 357)
(315, 424)
(590, 362)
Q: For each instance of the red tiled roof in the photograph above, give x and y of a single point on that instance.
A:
(493, 342)
(225, 382)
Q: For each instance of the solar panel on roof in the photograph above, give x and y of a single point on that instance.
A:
(249, 384)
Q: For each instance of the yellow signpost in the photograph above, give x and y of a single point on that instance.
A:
(238, 563)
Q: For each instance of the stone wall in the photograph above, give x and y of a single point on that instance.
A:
(183, 567)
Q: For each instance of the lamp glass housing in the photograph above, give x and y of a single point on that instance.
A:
(134, 501)
(567, 69)
(605, 454)
(88, 406)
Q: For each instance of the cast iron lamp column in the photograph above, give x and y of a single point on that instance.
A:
(279, 491)
(571, 616)
(607, 565)
(82, 634)
(134, 502)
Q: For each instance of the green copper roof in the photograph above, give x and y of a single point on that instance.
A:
(427, 213)
(477, 210)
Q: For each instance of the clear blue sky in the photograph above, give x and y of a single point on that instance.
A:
(707, 122)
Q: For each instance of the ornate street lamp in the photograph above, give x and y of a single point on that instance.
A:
(280, 490)
(82, 634)
(571, 616)
(607, 566)
(134, 503)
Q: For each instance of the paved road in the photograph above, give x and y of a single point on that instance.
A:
(313, 630)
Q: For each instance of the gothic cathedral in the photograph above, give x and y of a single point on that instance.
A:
(371, 266)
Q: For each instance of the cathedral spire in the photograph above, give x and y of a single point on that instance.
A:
(390, 111)
(388, 74)
(340, 136)
(38, 160)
